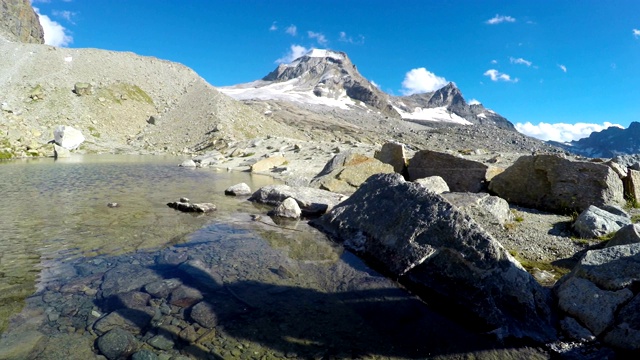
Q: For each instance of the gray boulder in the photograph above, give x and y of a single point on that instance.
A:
(595, 222)
(551, 183)
(60, 153)
(433, 183)
(346, 171)
(186, 206)
(632, 186)
(600, 292)
(311, 201)
(481, 207)
(82, 89)
(288, 209)
(393, 153)
(241, 189)
(462, 175)
(418, 237)
(629, 234)
(188, 163)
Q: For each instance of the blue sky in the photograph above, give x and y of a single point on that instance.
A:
(557, 69)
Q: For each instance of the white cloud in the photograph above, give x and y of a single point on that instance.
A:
(420, 81)
(496, 75)
(474, 102)
(65, 14)
(494, 61)
(320, 38)
(561, 132)
(636, 33)
(295, 51)
(520, 61)
(273, 26)
(349, 39)
(54, 33)
(292, 30)
(500, 19)
(562, 67)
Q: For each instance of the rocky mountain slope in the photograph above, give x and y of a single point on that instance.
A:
(607, 143)
(19, 22)
(129, 103)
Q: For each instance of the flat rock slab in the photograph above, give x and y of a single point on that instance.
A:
(311, 201)
(420, 238)
(126, 278)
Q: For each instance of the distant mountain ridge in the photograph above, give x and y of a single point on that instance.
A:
(608, 143)
(328, 77)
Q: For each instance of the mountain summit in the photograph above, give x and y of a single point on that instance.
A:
(327, 77)
(323, 77)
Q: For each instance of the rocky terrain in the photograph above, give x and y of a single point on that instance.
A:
(507, 215)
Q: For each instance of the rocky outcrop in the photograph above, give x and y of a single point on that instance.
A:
(19, 22)
(595, 222)
(346, 171)
(555, 184)
(461, 174)
(312, 201)
(601, 293)
(632, 186)
(421, 239)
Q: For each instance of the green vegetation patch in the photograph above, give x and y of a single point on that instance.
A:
(120, 92)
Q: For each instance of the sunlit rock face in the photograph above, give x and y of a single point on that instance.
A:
(19, 22)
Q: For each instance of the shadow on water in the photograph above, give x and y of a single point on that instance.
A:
(308, 323)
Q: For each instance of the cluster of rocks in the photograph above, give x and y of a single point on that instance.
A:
(433, 245)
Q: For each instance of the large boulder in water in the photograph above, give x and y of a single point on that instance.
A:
(426, 243)
(555, 184)
(311, 201)
(68, 137)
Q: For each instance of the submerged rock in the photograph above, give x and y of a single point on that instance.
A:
(117, 344)
(186, 206)
(420, 238)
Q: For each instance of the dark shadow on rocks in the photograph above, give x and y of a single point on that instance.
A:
(306, 323)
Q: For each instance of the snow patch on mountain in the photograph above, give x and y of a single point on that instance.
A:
(285, 91)
(438, 114)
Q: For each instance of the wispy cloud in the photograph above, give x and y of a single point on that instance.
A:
(320, 38)
(421, 80)
(500, 19)
(520, 61)
(496, 75)
(274, 26)
(494, 61)
(54, 33)
(636, 33)
(562, 67)
(295, 51)
(65, 14)
(560, 131)
(348, 39)
(292, 30)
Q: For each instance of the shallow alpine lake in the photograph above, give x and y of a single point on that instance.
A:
(188, 286)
